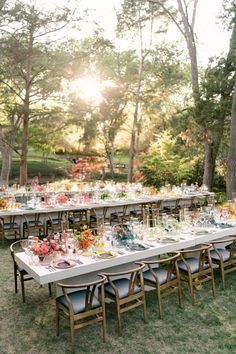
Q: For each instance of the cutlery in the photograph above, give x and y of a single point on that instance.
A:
(78, 261)
(121, 253)
(148, 244)
(50, 268)
(66, 262)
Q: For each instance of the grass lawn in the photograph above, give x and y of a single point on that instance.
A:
(47, 169)
(208, 327)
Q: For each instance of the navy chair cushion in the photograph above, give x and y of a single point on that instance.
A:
(56, 221)
(72, 219)
(122, 286)
(193, 264)
(8, 226)
(225, 254)
(161, 274)
(34, 223)
(78, 300)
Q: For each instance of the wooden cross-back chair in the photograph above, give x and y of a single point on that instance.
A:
(127, 291)
(163, 275)
(81, 307)
(56, 223)
(19, 272)
(78, 218)
(223, 255)
(196, 268)
(33, 226)
(9, 228)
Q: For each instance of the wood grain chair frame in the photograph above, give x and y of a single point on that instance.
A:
(78, 218)
(19, 272)
(152, 212)
(127, 292)
(173, 209)
(33, 226)
(224, 257)
(82, 307)
(163, 275)
(119, 215)
(56, 223)
(197, 270)
(9, 227)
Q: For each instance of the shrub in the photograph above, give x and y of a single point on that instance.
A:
(162, 164)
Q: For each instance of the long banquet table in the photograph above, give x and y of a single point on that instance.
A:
(101, 208)
(102, 204)
(91, 266)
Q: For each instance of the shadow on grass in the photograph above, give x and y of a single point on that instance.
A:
(207, 327)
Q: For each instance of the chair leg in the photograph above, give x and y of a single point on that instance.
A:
(104, 326)
(22, 286)
(72, 335)
(50, 289)
(57, 320)
(180, 295)
(213, 283)
(15, 280)
(190, 284)
(159, 303)
(144, 309)
(222, 275)
(118, 319)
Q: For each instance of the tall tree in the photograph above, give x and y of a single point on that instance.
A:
(138, 15)
(10, 120)
(231, 173)
(32, 65)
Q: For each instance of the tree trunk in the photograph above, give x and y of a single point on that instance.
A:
(7, 152)
(188, 33)
(132, 144)
(209, 164)
(6, 165)
(135, 123)
(231, 176)
(24, 152)
(110, 157)
(211, 152)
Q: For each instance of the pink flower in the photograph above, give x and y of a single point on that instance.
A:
(44, 248)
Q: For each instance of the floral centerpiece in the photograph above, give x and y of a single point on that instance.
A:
(4, 203)
(123, 234)
(104, 195)
(62, 199)
(85, 238)
(45, 248)
(121, 194)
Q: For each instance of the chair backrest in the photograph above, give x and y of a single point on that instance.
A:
(203, 254)
(169, 262)
(135, 275)
(231, 245)
(15, 247)
(90, 289)
(10, 220)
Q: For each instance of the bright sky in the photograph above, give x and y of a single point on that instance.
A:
(212, 38)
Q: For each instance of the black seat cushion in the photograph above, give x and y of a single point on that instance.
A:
(56, 221)
(224, 253)
(76, 219)
(122, 286)
(193, 264)
(34, 224)
(78, 300)
(8, 226)
(161, 274)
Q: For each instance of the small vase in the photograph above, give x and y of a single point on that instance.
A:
(45, 260)
(41, 258)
